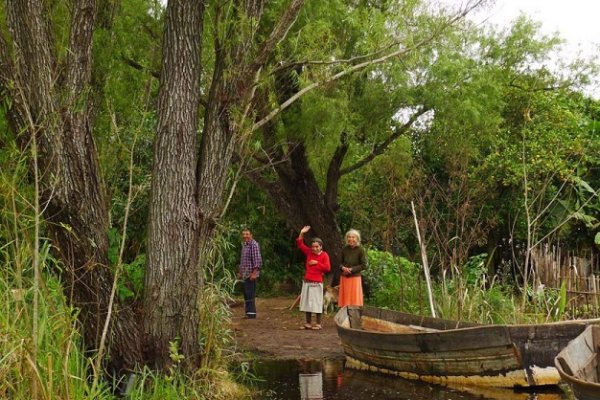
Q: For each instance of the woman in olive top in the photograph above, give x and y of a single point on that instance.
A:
(354, 260)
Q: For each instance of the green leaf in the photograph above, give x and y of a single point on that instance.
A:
(585, 185)
(562, 299)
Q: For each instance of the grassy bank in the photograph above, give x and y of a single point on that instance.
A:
(41, 346)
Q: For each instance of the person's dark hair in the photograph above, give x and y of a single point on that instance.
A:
(316, 240)
(246, 229)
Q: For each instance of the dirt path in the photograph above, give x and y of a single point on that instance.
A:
(276, 333)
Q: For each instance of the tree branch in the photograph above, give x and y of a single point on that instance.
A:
(333, 172)
(381, 147)
(136, 65)
(366, 64)
(278, 34)
(570, 217)
(351, 60)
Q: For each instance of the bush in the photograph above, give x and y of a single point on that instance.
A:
(394, 282)
(398, 283)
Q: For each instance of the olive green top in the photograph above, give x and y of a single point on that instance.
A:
(355, 258)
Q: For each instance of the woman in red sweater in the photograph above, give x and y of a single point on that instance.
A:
(317, 264)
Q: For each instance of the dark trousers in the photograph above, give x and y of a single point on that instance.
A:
(249, 298)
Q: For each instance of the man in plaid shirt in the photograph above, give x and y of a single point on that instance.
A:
(250, 263)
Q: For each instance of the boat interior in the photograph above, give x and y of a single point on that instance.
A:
(580, 358)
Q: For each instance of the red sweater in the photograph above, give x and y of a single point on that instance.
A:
(314, 273)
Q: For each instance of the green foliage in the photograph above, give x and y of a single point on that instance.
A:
(282, 264)
(472, 297)
(548, 304)
(149, 385)
(58, 368)
(394, 282)
(499, 115)
(131, 279)
(475, 269)
(562, 300)
(54, 365)
(217, 336)
(215, 314)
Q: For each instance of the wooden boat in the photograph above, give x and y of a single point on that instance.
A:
(453, 352)
(389, 387)
(577, 364)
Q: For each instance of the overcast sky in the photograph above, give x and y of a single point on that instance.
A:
(576, 20)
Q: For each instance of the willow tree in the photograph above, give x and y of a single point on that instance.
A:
(47, 82)
(50, 98)
(384, 55)
(189, 177)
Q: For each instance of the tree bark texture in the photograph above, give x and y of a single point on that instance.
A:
(189, 179)
(173, 277)
(296, 191)
(297, 195)
(53, 107)
(51, 99)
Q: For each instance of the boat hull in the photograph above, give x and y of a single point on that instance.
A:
(578, 364)
(451, 352)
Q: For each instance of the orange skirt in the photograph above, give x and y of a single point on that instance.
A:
(351, 293)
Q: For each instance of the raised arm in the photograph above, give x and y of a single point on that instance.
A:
(300, 240)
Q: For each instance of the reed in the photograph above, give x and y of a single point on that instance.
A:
(469, 294)
(41, 350)
(53, 367)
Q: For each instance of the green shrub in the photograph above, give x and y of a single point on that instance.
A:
(398, 283)
(394, 282)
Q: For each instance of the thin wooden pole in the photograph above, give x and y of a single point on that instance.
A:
(425, 262)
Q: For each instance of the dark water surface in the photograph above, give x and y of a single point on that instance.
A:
(329, 380)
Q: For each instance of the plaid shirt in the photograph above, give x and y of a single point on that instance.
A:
(250, 259)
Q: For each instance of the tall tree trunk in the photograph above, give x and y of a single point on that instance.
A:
(188, 180)
(296, 193)
(173, 280)
(54, 108)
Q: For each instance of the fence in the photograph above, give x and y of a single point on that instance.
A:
(553, 267)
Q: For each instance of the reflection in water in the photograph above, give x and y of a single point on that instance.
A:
(328, 380)
(310, 378)
(311, 386)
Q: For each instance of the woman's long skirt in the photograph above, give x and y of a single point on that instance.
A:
(351, 293)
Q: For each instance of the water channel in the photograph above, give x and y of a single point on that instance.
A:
(329, 380)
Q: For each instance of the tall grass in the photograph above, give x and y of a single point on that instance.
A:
(40, 346)
(54, 365)
(41, 349)
(60, 370)
(468, 294)
(395, 282)
(212, 380)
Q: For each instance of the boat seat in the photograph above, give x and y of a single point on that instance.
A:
(379, 325)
